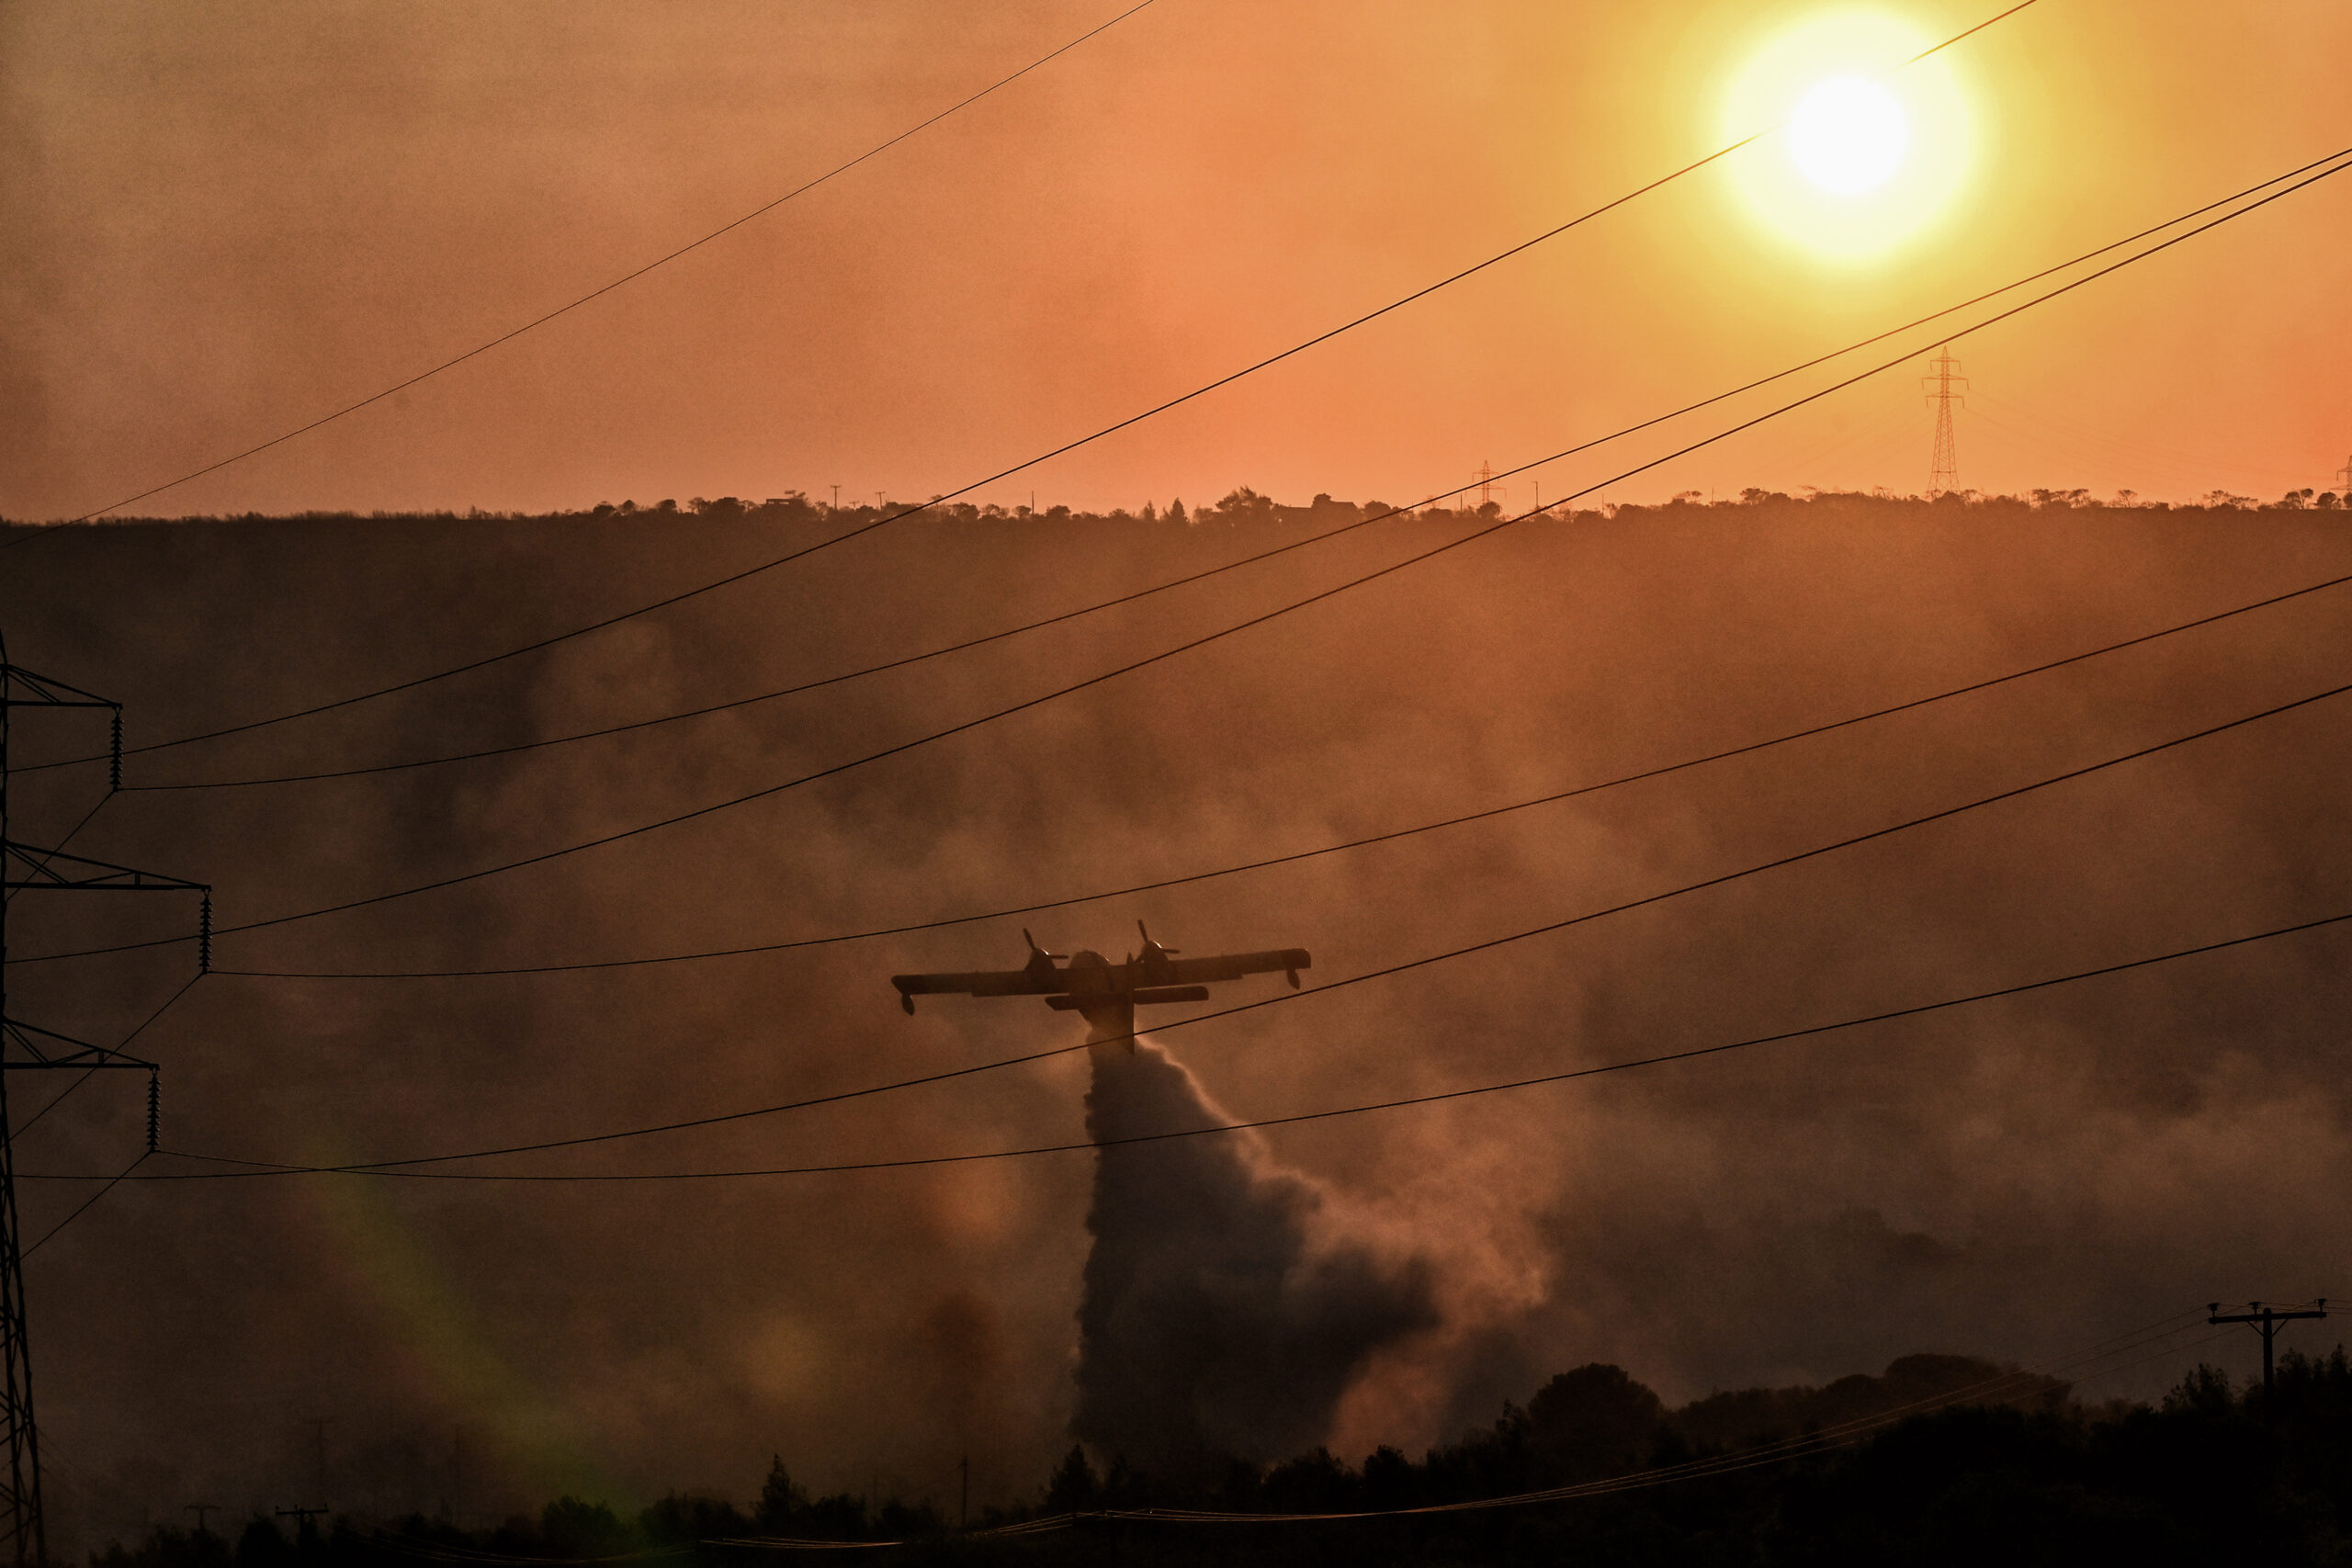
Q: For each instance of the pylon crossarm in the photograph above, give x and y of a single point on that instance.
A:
(30, 866)
(31, 1046)
(22, 688)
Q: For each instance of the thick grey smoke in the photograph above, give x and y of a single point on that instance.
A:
(2012, 1181)
(1221, 1314)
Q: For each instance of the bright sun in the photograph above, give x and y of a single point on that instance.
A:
(1849, 135)
(1875, 152)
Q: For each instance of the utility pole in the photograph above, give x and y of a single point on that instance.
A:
(306, 1534)
(2264, 1321)
(837, 498)
(1943, 468)
(24, 1046)
(199, 1510)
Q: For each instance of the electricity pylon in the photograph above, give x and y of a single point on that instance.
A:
(24, 1046)
(1943, 468)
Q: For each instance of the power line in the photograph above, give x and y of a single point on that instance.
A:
(84, 1207)
(1424, 962)
(122, 1044)
(625, 278)
(1058, 451)
(266, 1168)
(1343, 846)
(45, 856)
(1186, 580)
(764, 792)
(1235, 565)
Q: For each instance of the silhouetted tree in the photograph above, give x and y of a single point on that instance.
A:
(1074, 1488)
(689, 1516)
(838, 1516)
(1592, 1422)
(569, 1527)
(780, 1500)
(261, 1544)
(1390, 1480)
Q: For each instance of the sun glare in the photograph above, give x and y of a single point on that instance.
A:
(1873, 151)
(1849, 135)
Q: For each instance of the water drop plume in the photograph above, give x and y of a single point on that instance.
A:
(1226, 1311)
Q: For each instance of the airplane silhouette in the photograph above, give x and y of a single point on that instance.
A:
(1107, 994)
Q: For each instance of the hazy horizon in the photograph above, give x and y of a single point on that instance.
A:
(229, 221)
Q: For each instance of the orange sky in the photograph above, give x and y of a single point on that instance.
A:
(227, 219)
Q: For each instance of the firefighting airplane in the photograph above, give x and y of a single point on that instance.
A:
(1106, 994)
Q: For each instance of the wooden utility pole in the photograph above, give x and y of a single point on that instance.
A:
(2265, 1321)
(306, 1534)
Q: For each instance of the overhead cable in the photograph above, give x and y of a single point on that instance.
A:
(625, 278)
(1061, 617)
(1486, 945)
(1061, 450)
(257, 1168)
(1343, 846)
(1205, 640)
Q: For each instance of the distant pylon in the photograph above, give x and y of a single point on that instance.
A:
(1486, 478)
(2344, 477)
(1943, 468)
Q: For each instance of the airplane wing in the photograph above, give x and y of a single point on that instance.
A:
(1154, 976)
(980, 983)
(1233, 965)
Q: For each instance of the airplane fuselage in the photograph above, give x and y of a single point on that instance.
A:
(1105, 993)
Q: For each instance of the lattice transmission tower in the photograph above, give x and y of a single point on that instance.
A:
(24, 1047)
(1943, 468)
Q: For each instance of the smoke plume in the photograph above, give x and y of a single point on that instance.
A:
(1222, 1315)
(2012, 1181)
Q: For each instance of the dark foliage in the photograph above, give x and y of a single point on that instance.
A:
(1942, 1474)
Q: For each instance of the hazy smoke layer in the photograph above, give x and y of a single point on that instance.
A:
(2014, 1181)
(1219, 1318)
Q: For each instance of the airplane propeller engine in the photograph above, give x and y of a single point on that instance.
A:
(1107, 994)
